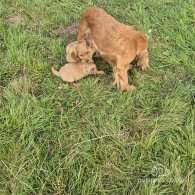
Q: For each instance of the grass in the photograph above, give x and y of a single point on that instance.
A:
(57, 139)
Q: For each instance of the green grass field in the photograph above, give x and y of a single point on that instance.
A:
(59, 139)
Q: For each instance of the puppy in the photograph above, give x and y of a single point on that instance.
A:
(117, 43)
(72, 72)
(79, 51)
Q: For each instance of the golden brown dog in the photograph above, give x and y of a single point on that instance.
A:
(75, 71)
(117, 43)
(79, 51)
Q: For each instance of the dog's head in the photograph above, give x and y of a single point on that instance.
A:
(79, 51)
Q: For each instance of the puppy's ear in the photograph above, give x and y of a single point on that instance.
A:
(74, 55)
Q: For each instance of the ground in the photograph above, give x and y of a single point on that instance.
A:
(59, 139)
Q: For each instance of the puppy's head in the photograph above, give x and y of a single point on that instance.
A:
(79, 51)
(72, 53)
(85, 52)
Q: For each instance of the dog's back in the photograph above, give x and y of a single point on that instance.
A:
(109, 35)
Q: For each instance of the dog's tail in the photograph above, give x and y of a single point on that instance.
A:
(55, 71)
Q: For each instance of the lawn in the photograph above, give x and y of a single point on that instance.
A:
(59, 139)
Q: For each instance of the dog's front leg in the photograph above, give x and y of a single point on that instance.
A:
(116, 81)
(121, 76)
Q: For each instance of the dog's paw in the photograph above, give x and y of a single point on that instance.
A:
(114, 83)
(131, 88)
(77, 85)
(143, 68)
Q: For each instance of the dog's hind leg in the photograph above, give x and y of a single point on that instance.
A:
(143, 59)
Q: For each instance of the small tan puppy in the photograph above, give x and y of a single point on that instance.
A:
(72, 72)
(79, 51)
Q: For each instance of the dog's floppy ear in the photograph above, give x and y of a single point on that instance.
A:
(88, 43)
(74, 55)
(88, 38)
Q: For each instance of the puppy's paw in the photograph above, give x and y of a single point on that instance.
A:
(100, 72)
